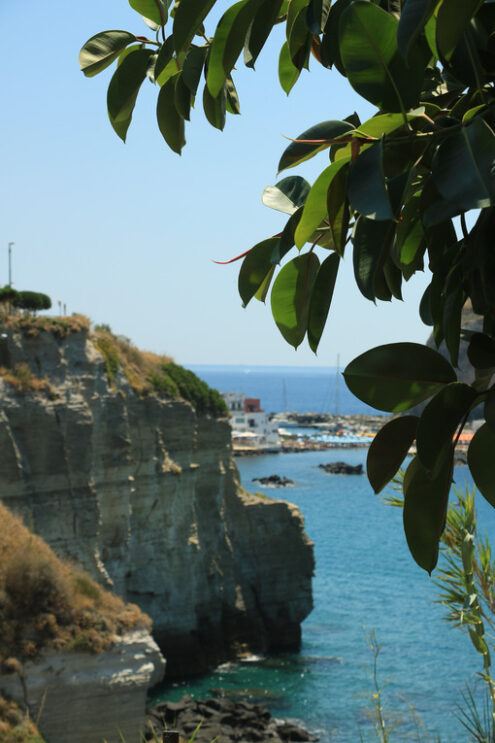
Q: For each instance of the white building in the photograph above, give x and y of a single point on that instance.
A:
(251, 428)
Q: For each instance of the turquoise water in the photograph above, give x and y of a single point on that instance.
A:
(364, 576)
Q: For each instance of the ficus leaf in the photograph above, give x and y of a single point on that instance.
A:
(215, 108)
(260, 29)
(288, 74)
(452, 20)
(367, 189)
(440, 420)
(389, 449)
(170, 122)
(102, 49)
(489, 408)
(397, 376)
(315, 208)
(255, 268)
(297, 152)
(469, 151)
(370, 244)
(338, 209)
(228, 41)
(287, 195)
(413, 18)
(374, 66)
(155, 10)
(193, 67)
(124, 88)
(481, 461)
(189, 15)
(321, 299)
(164, 56)
(291, 295)
(425, 509)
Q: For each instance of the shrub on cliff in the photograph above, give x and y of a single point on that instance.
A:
(45, 602)
(33, 301)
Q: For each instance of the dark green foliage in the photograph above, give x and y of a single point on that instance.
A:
(34, 301)
(393, 187)
(176, 381)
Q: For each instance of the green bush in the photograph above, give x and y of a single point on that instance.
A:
(33, 301)
(193, 389)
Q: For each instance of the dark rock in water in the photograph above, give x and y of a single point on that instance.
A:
(222, 720)
(274, 481)
(342, 468)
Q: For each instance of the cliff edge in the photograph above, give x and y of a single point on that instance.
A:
(104, 458)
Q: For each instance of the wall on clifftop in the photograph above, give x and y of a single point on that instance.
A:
(144, 493)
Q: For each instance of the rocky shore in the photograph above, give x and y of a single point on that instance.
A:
(221, 720)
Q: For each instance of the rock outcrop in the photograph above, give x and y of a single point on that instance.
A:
(88, 698)
(144, 494)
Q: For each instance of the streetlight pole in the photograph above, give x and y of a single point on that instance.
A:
(10, 263)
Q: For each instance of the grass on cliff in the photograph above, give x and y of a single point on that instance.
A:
(21, 378)
(45, 602)
(149, 373)
(32, 325)
(15, 724)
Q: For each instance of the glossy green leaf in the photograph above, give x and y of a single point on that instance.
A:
(387, 123)
(410, 236)
(164, 56)
(102, 49)
(124, 88)
(228, 42)
(260, 29)
(286, 195)
(291, 296)
(262, 292)
(481, 351)
(374, 66)
(440, 420)
(393, 278)
(255, 268)
(481, 461)
(452, 20)
(369, 240)
(287, 240)
(287, 73)
(425, 509)
(193, 67)
(330, 47)
(338, 210)
(397, 376)
(315, 208)
(182, 98)
(298, 36)
(367, 190)
(413, 19)
(128, 50)
(215, 108)
(170, 122)
(388, 450)
(232, 101)
(317, 15)
(320, 134)
(155, 10)
(321, 299)
(470, 152)
(189, 15)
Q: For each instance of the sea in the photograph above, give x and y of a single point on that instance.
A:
(367, 592)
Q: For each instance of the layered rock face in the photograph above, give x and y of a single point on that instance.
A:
(145, 495)
(89, 698)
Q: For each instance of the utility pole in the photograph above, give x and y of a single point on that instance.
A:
(10, 263)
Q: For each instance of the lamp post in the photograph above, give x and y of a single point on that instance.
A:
(10, 263)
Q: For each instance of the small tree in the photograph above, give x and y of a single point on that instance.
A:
(33, 301)
(393, 188)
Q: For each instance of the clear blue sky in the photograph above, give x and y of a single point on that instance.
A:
(125, 233)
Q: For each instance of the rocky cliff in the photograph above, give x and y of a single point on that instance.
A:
(141, 490)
